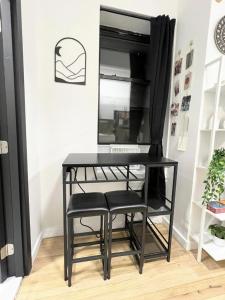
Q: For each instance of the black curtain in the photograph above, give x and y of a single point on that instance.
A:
(160, 59)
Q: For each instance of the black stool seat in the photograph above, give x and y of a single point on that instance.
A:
(88, 203)
(119, 200)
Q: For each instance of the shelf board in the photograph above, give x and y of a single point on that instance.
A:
(202, 167)
(198, 204)
(127, 79)
(220, 217)
(211, 89)
(206, 130)
(216, 252)
(195, 237)
(220, 130)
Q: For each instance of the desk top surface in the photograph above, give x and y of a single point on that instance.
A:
(114, 159)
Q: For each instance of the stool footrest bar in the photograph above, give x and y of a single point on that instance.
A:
(86, 244)
(125, 253)
(87, 258)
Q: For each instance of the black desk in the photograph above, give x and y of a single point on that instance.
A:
(78, 166)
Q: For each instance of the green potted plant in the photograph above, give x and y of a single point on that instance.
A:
(214, 183)
(218, 234)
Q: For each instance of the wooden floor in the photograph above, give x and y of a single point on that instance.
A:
(182, 278)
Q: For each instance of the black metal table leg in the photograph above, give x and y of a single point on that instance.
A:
(71, 189)
(105, 246)
(172, 212)
(70, 250)
(142, 257)
(110, 245)
(64, 223)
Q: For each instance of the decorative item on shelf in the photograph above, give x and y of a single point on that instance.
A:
(70, 61)
(218, 233)
(215, 179)
(221, 118)
(209, 123)
(204, 161)
(219, 35)
(216, 207)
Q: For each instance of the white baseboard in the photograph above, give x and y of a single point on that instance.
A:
(178, 235)
(52, 232)
(36, 247)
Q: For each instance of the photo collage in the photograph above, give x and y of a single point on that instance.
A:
(182, 96)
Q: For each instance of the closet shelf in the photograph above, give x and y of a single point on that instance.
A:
(127, 79)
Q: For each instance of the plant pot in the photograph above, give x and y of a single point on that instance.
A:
(218, 242)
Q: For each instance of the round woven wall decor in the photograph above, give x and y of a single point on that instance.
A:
(219, 35)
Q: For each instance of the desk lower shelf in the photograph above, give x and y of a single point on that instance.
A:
(154, 247)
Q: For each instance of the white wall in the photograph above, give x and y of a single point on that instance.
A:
(217, 12)
(192, 25)
(62, 118)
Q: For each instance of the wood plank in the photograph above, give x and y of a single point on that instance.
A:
(182, 278)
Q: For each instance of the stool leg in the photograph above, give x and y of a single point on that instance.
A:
(131, 228)
(110, 245)
(101, 234)
(142, 258)
(70, 249)
(73, 233)
(105, 245)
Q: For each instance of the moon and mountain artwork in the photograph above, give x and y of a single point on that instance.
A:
(70, 62)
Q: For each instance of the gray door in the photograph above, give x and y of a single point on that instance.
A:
(13, 258)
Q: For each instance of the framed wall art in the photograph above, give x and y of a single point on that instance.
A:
(70, 61)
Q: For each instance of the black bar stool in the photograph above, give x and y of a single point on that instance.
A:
(123, 202)
(86, 205)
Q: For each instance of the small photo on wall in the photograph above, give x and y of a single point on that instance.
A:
(174, 109)
(185, 105)
(173, 128)
(177, 88)
(189, 59)
(178, 66)
(187, 80)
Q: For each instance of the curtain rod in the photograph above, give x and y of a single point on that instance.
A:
(125, 13)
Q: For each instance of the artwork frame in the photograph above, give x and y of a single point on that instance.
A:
(178, 66)
(189, 59)
(185, 105)
(177, 87)
(187, 80)
(174, 109)
(67, 73)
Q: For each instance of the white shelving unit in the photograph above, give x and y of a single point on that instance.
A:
(211, 136)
